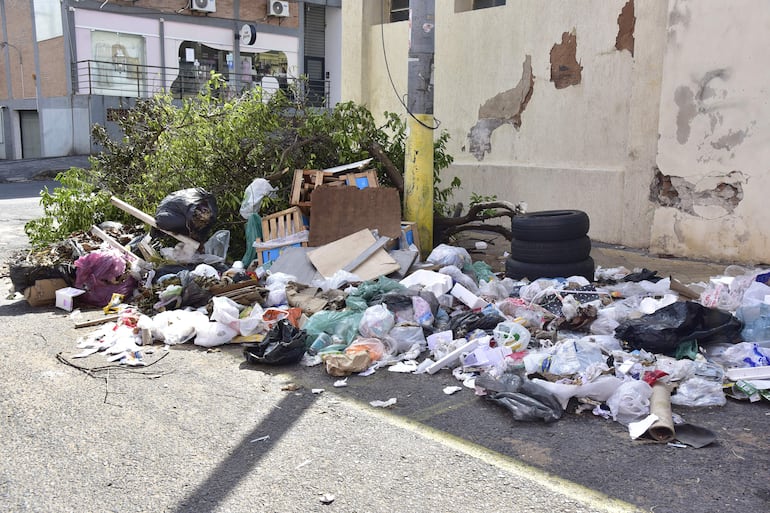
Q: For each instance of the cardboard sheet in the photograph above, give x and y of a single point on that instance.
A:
(332, 257)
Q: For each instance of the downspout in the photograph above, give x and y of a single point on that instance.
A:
(6, 54)
(162, 36)
(41, 121)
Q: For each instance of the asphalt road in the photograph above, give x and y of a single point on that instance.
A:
(190, 436)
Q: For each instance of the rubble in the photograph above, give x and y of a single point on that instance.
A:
(627, 346)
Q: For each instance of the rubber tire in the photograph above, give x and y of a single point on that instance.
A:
(551, 252)
(550, 225)
(519, 270)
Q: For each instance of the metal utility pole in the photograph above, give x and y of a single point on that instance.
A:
(418, 175)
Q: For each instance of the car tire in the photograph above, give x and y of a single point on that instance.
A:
(532, 271)
(550, 225)
(551, 252)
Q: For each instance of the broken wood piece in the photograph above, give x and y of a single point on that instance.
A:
(115, 244)
(96, 322)
(188, 242)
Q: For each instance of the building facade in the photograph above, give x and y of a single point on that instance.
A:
(649, 115)
(67, 64)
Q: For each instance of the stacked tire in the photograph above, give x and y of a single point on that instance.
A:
(550, 244)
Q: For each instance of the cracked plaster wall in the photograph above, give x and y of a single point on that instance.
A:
(713, 163)
(513, 133)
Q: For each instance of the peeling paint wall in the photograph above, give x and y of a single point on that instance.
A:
(550, 102)
(714, 127)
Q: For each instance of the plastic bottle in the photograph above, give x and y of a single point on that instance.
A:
(321, 341)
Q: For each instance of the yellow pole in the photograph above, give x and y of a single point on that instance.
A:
(418, 179)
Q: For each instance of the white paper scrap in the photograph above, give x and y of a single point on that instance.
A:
(452, 390)
(638, 428)
(341, 383)
(384, 404)
(405, 367)
(317, 390)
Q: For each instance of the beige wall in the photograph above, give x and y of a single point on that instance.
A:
(584, 138)
(714, 128)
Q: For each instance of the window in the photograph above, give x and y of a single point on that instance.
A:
(399, 10)
(483, 4)
(474, 5)
(47, 19)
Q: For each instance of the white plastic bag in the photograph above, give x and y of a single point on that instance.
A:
(699, 392)
(253, 195)
(630, 401)
(444, 254)
(376, 322)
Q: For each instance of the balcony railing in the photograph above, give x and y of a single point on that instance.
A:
(140, 81)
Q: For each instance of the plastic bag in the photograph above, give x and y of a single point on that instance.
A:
(218, 244)
(376, 322)
(630, 401)
(662, 331)
(101, 274)
(343, 324)
(375, 347)
(572, 357)
(699, 392)
(253, 195)
(211, 334)
(190, 212)
(458, 277)
(444, 254)
(407, 338)
(422, 311)
(284, 344)
(526, 400)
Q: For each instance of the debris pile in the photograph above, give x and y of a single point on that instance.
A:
(348, 292)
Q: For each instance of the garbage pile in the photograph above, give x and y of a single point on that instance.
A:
(625, 346)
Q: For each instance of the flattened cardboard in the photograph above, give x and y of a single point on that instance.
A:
(341, 211)
(332, 257)
(43, 292)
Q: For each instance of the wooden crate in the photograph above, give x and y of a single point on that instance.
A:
(280, 226)
(362, 179)
(305, 181)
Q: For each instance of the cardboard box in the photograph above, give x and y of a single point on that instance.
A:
(43, 292)
(65, 297)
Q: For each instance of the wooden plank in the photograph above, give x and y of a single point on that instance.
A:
(332, 257)
(117, 245)
(146, 218)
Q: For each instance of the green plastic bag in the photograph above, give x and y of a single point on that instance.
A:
(342, 323)
(253, 232)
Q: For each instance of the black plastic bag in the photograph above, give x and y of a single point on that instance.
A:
(284, 344)
(526, 400)
(662, 331)
(190, 212)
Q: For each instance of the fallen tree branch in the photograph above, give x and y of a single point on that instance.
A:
(390, 169)
(444, 227)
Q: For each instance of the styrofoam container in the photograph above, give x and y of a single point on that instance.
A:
(65, 298)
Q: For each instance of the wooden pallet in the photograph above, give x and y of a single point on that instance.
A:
(279, 226)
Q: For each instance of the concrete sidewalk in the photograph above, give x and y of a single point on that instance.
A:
(23, 170)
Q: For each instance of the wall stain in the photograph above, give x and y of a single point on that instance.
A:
(685, 100)
(730, 140)
(565, 69)
(503, 108)
(626, 25)
(724, 191)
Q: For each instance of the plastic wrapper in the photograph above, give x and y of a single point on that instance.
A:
(101, 274)
(335, 281)
(493, 289)
(190, 212)
(253, 196)
(284, 344)
(600, 389)
(444, 254)
(343, 364)
(630, 401)
(696, 392)
(572, 357)
(376, 322)
(663, 331)
(743, 354)
(422, 312)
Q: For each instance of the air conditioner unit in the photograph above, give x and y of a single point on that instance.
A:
(203, 5)
(279, 9)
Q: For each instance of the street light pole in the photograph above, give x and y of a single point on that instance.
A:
(6, 44)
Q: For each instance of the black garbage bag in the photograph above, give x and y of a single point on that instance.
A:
(465, 323)
(284, 344)
(526, 400)
(662, 331)
(190, 212)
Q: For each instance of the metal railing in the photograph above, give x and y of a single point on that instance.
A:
(127, 79)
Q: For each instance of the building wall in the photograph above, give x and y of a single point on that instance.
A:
(714, 127)
(53, 79)
(18, 32)
(650, 116)
(542, 103)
